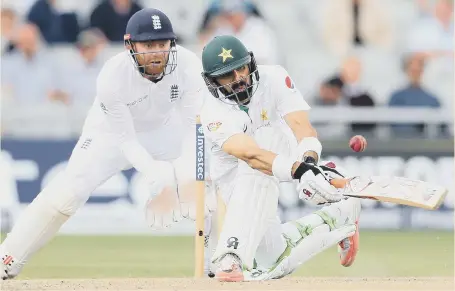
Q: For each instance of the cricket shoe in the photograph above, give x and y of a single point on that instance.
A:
(348, 247)
(230, 269)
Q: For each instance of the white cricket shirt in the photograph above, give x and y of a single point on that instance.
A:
(275, 97)
(127, 103)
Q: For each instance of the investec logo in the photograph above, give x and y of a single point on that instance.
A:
(200, 144)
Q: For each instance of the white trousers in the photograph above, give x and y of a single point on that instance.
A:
(94, 159)
(252, 229)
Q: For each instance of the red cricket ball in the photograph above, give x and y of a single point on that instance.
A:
(358, 143)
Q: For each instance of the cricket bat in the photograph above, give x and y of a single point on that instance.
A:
(397, 190)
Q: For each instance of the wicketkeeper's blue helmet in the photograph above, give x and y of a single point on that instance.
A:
(151, 24)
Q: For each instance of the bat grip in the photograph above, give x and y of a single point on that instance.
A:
(339, 183)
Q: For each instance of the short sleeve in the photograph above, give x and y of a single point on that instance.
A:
(288, 97)
(219, 125)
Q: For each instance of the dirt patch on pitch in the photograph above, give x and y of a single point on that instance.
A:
(288, 284)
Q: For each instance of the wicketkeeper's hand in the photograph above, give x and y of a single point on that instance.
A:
(188, 202)
(163, 209)
(161, 204)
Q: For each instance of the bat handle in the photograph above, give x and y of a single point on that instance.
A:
(339, 183)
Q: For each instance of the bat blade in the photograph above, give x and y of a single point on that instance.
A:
(397, 190)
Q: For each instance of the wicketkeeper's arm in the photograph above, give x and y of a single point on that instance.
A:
(121, 123)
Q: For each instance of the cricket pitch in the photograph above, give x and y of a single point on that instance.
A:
(392, 260)
(188, 284)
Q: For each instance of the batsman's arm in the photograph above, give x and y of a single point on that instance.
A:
(291, 105)
(300, 125)
(244, 147)
(305, 133)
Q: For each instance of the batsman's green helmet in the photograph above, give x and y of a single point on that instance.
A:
(222, 55)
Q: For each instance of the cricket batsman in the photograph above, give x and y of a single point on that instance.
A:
(144, 111)
(251, 154)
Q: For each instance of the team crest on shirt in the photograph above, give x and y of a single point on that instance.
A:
(289, 83)
(214, 126)
(264, 115)
(174, 93)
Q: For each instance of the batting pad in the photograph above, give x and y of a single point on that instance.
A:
(272, 246)
(305, 250)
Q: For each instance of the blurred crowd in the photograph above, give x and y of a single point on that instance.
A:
(343, 53)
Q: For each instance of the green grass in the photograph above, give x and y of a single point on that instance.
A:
(381, 254)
